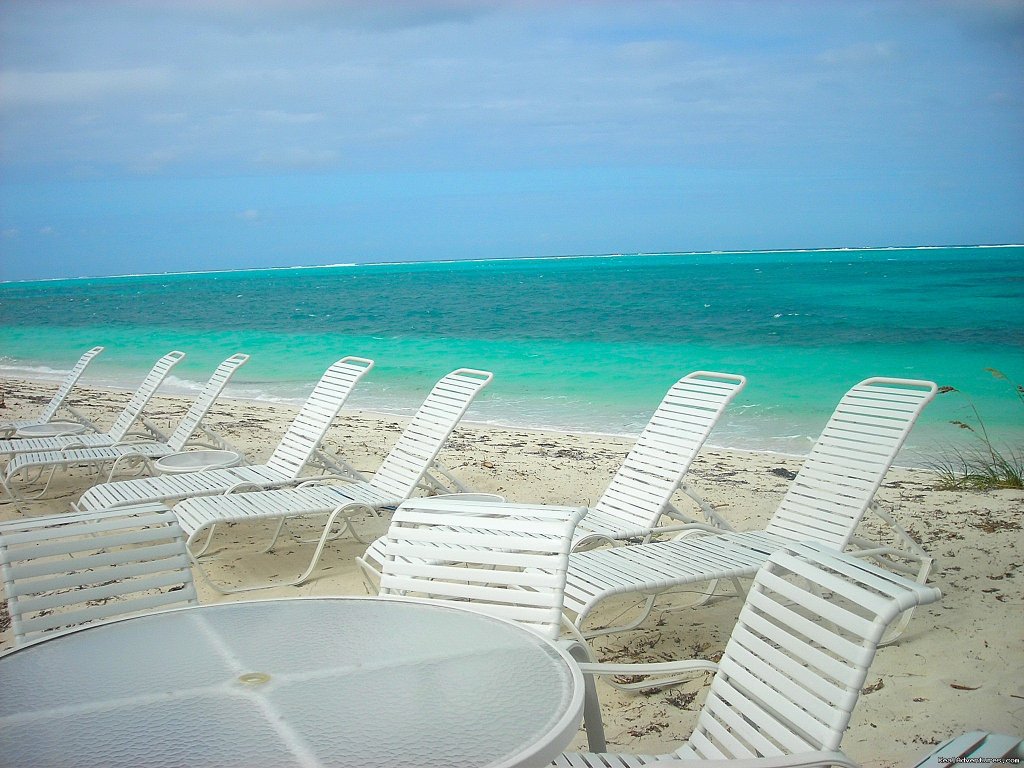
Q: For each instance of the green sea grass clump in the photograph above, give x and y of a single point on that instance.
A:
(983, 465)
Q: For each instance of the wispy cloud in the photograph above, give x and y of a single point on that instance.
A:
(364, 86)
(297, 158)
(859, 54)
(155, 161)
(281, 117)
(80, 86)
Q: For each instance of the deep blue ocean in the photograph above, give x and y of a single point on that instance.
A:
(587, 344)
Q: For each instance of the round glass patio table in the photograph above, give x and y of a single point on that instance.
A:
(51, 429)
(299, 682)
(197, 461)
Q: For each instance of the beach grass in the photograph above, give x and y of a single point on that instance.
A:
(983, 465)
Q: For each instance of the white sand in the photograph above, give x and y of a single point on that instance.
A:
(960, 666)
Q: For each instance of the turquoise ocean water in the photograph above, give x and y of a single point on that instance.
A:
(586, 344)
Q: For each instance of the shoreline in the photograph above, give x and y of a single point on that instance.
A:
(188, 393)
(959, 667)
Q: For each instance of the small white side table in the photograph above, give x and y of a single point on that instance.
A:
(197, 461)
(51, 429)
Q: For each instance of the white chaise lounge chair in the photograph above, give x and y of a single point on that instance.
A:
(824, 504)
(8, 428)
(792, 671)
(640, 493)
(118, 431)
(72, 569)
(297, 448)
(404, 469)
(33, 464)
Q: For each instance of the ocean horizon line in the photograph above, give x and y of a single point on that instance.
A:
(561, 257)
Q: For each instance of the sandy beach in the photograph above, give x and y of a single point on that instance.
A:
(960, 665)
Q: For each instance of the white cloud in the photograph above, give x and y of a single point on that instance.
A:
(79, 86)
(166, 118)
(230, 87)
(282, 117)
(859, 54)
(297, 157)
(155, 161)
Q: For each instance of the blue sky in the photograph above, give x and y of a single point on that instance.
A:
(151, 136)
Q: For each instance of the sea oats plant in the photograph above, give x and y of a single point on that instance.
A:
(983, 465)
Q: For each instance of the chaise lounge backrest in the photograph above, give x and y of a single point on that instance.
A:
(420, 442)
(198, 410)
(139, 400)
(665, 449)
(798, 656)
(511, 563)
(67, 385)
(303, 436)
(77, 568)
(844, 469)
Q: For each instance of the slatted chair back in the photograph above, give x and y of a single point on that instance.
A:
(133, 410)
(836, 485)
(505, 560)
(198, 410)
(420, 442)
(303, 436)
(799, 654)
(66, 386)
(658, 461)
(73, 569)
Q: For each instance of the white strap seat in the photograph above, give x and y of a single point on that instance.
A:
(187, 484)
(512, 565)
(659, 566)
(198, 513)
